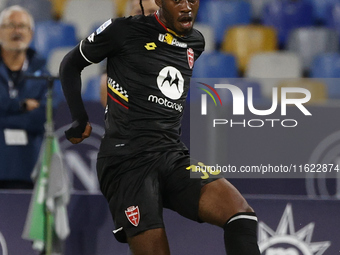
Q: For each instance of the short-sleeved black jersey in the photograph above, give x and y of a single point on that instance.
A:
(148, 68)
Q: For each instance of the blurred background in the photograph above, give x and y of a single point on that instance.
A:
(264, 43)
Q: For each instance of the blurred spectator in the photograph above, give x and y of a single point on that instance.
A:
(22, 107)
(133, 8)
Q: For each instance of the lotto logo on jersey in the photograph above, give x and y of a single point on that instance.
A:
(132, 213)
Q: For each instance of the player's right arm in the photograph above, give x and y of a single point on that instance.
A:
(106, 40)
(70, 70)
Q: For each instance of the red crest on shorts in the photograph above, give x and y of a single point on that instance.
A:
(132, 213)
(190, 53)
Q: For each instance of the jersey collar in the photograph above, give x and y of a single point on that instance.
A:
(162, 24)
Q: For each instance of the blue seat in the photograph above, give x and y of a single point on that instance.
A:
(286, 15)
(257, 8)
(215, 65)
(52, 34)
(309, 42)
(92, 89)
(200, 12)
(41, 10)
(221, 15)
(320, 8)
(84, 14)
(332, 19)
(327, 67)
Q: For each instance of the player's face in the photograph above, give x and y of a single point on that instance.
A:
(16, 32)
(178, 15)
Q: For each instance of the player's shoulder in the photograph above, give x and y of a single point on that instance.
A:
(137, 20)
(123, 27)
(116, 26)
(196, 35)
(112, 25)
(125, 24)
(120, 22)
(196, 40)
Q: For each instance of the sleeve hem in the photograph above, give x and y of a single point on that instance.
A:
(81, 52)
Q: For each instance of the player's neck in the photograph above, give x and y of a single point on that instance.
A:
(161, 20)
(13, 59)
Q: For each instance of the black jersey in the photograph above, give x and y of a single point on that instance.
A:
(148, 69)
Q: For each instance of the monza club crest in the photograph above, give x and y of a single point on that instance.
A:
(190, 55)
(133, 215)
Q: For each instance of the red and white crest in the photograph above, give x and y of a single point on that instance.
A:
(190, 53)
(132, 213)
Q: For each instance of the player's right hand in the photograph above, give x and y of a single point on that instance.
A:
(78, 132)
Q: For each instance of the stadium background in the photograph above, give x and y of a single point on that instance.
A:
(256, 40)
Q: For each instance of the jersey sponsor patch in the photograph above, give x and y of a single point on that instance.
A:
(170, 82)
(169, 39)
(117, 89)
(132, 213)
(103, 26)
(190, 54)
(90, 38)
(165, 102)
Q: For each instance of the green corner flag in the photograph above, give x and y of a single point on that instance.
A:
(47, 221)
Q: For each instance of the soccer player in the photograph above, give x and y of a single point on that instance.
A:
(142, 164)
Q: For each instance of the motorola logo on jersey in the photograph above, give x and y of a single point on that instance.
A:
(170, 82)
(165, 102)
